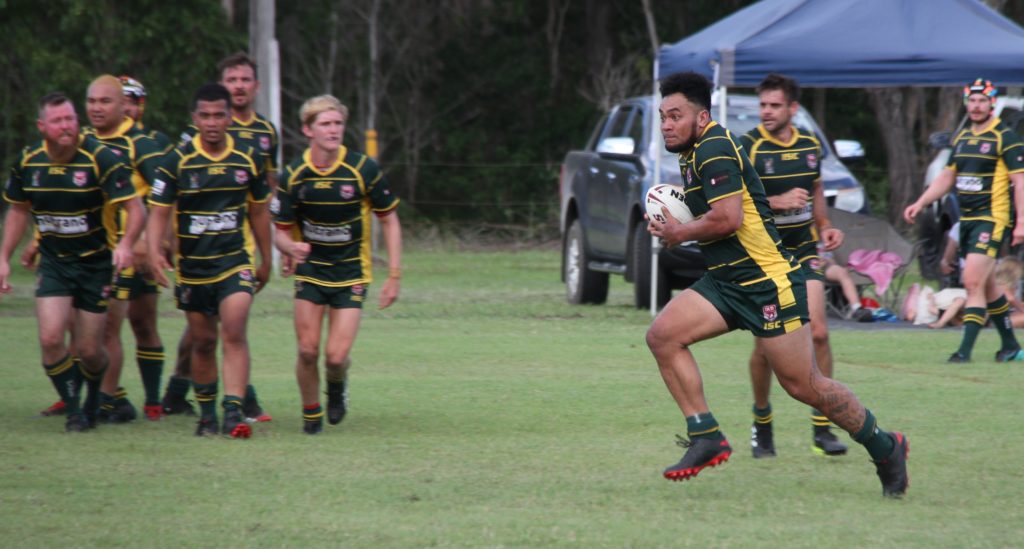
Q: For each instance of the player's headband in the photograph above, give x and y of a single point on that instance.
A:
(981, 86)
(133, 88)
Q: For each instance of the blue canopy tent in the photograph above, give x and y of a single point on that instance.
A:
(854, 43)
(849, 43)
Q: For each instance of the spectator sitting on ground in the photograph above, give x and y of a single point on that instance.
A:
(1007, 276)
(840, 275)
(936, 309)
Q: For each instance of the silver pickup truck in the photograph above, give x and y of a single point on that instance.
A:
(601, 192)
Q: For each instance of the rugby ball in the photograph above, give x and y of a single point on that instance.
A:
(671, 198)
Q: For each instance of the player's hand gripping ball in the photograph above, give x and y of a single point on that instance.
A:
(669, 197)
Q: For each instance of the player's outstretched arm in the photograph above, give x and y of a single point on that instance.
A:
(259, 219)
(157, 225)
(831, 237)
(136, 221)
(296, 252)
(942, 184)
(391, 228)
(14, 228)
(1017, 184)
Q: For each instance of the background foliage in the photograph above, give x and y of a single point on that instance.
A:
(476, 101)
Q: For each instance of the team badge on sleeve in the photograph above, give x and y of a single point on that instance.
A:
(770, 312)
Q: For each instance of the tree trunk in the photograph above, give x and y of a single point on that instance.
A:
(896, 116)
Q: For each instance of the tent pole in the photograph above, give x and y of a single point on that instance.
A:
(655, 148)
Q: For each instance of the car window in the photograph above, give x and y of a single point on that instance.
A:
(636, 130)
(617, 126)
(592, 143)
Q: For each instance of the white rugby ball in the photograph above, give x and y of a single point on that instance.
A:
(671, 198)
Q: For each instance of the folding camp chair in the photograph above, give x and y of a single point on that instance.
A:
(868, 233)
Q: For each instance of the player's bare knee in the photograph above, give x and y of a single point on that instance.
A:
(145, 331)
(661, 341)
(797, 387)
(819, 335)
(204, 345)
(308, 355)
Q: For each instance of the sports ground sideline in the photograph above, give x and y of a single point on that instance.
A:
(487, 412)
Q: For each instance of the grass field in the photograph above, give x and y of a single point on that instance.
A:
(487, 412)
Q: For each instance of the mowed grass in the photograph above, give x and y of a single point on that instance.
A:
(487, 412)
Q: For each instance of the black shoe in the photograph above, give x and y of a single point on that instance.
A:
(234, 425)
(826, 444)
(1010, 355)
(892, 471)
(90, 419)
(337, 402)
(700, 453)
(762, 441)
(76, 423)
(122, 412)
(207, 427)
(176, 404)
(314, 427)
(252, 410)
(957, 358)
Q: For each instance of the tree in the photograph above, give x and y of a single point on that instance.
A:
(63, 44)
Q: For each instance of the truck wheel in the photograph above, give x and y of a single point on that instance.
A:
(642, 272)
(581, 284)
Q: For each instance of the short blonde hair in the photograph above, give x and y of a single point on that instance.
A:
(1008, 272)
(320, 104)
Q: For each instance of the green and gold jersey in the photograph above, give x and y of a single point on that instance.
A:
(717, 168)
(258, 133)
(330, 209)
(67, 200)
(163, 142)
(983, 163)
(211, 195)
(781, 168)
(141, 153)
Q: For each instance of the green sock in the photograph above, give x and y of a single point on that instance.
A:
(231, 402)
(65, 376)
(763, 416)
(878, 443)
(151, 367)
(974, 319)
(703, 426)
(999, 312)
(91, 404)
(313, 413)
(178, 386)
(121, 396)
(106, 402)
(250, 393)
(206, 396)
(819, 421)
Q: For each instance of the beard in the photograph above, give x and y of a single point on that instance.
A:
(685, 145)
